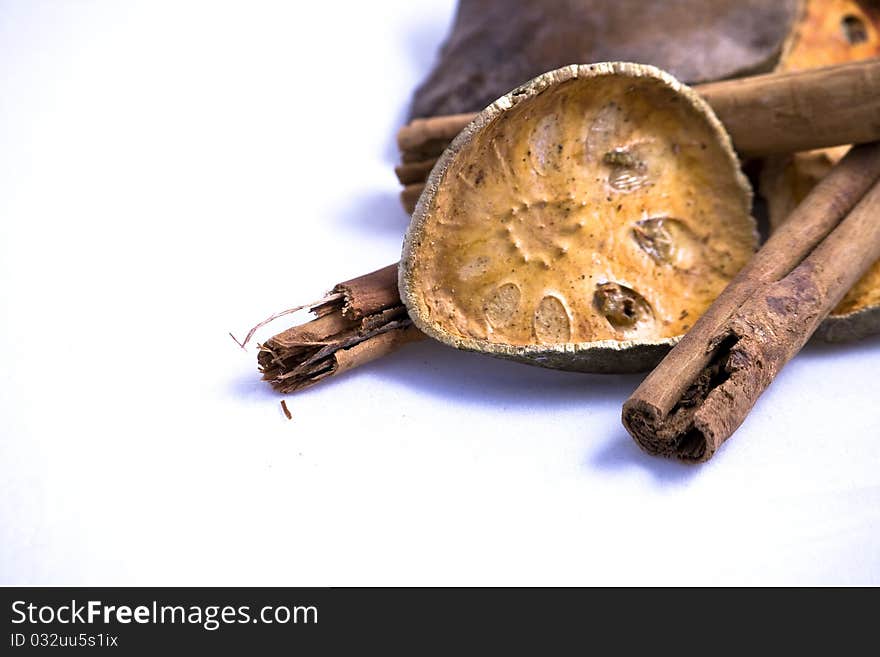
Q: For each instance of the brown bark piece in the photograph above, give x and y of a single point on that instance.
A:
(381, 345)
(360, 320)
(414, 172)
(435, 128)
(410, 194)
(496, 45)
(370, 294)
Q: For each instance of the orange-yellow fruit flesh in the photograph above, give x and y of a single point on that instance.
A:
(829, 32)
(593, 211)
(834, 32)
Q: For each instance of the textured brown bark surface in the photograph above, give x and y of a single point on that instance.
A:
(496, 45)
(360, 320)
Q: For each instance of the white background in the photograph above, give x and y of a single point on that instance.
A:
(171, 171)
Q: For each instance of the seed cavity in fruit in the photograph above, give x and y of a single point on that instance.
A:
(626, 171)
(668, 241)
(854, 29)
(622, 306)
(474, 268)
(546, 145)
(551, 322)
(603, 131)
(654, 238)
(502, 305)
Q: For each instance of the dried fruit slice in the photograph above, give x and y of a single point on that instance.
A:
(828, 32)
(583, 221)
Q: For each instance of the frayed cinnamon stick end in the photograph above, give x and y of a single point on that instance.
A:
(686, 438)
(361, 320)
(289, 368)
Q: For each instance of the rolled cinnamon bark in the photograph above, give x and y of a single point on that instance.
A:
(764, 114)
(409, 196)
(704, 388)
(799, 110)
(417, 172)
(358, 321)
(418, 131)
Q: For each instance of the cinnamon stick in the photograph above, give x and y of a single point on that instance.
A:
(418, 131)
(409, 196)
(702, 391)
(764, 114)
(358, 321)
(409, 172)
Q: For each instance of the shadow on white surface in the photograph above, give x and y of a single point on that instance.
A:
(820, 349)
(464, 378)
(467, 378)
(375, 214)
(390, 152)
(621, 453)
(419, 47)
(458, 378)
(250, 387)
